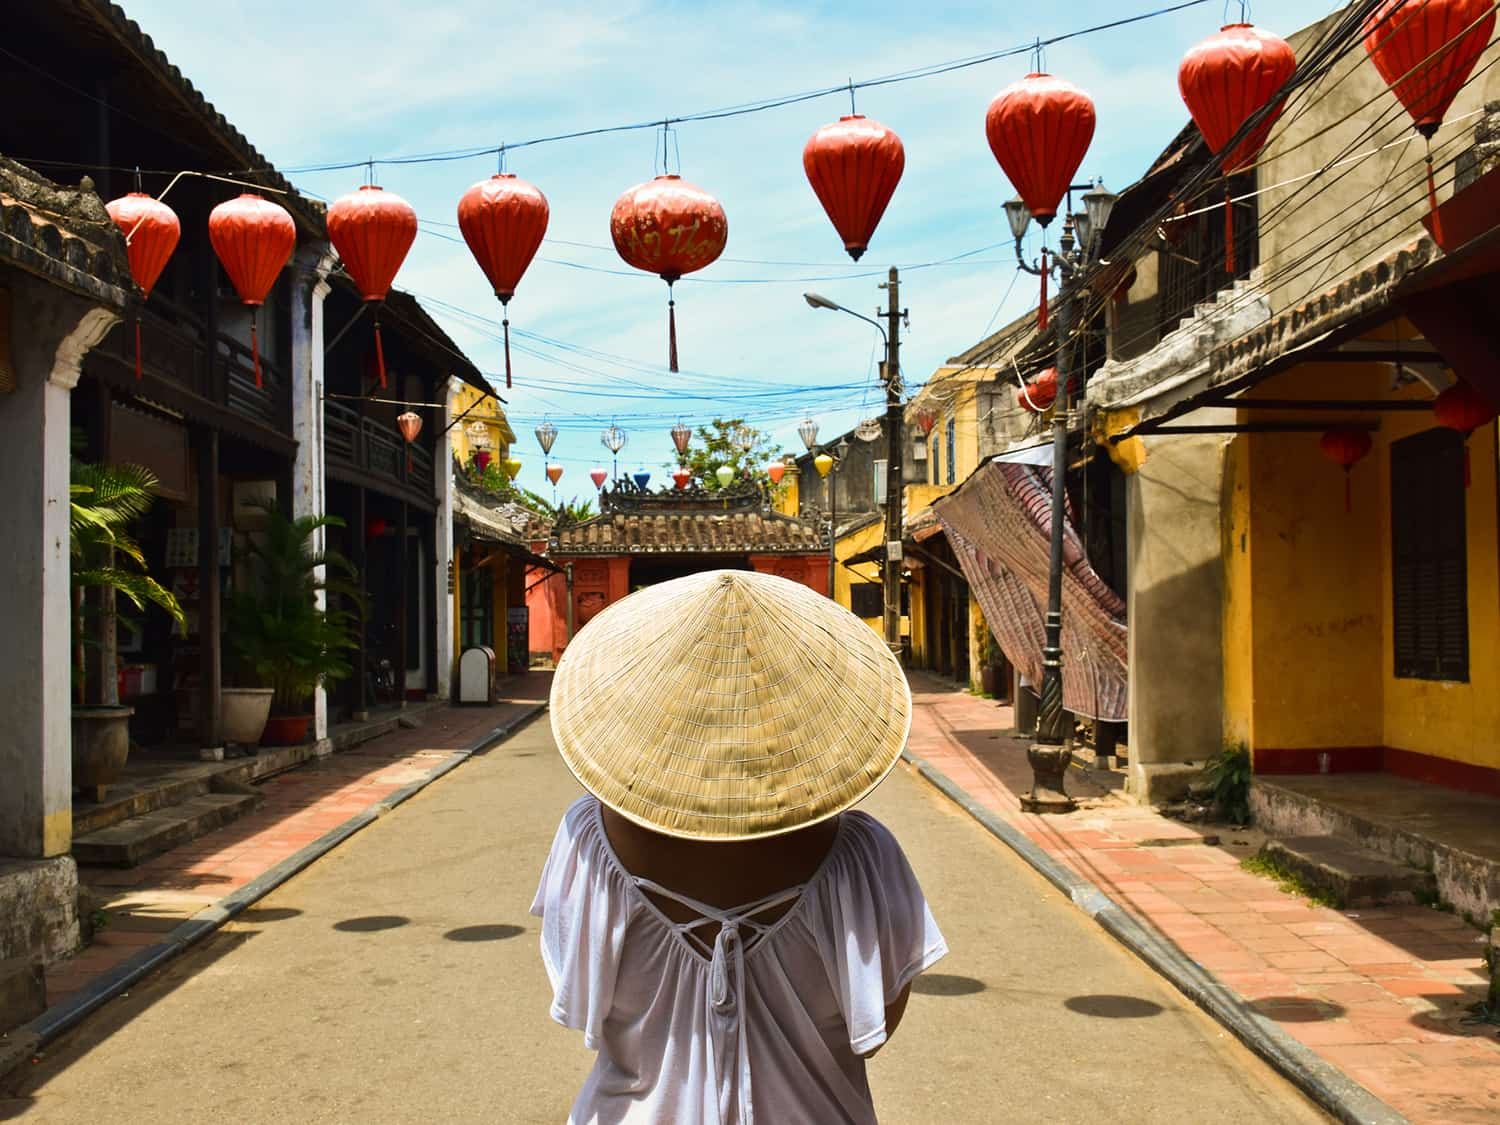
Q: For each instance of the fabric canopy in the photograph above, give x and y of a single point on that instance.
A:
(999, 525)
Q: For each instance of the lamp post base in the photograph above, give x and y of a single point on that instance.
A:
(1049, 767)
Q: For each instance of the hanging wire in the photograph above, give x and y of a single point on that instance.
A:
(852, 110)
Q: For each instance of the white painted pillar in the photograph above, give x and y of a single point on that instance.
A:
(36, 764)
(442, 476)
(309, 498)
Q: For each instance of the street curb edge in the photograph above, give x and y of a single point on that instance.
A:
(1326, 1085)
(72, 1009)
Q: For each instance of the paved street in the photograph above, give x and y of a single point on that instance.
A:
(398, 981)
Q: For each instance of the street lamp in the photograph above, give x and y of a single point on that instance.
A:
(1049, 754)
(890, 332)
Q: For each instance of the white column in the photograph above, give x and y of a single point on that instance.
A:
(310, 271)
(442, 475)
(36, 765)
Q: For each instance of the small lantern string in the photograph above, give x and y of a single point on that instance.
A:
(505, 324)
(379, 347)
(1038, 58)
(500, 159)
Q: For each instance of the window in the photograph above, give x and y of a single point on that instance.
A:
(867, 600)
(932, 463)
(952, 439)
(1429, 557)
(879, 489)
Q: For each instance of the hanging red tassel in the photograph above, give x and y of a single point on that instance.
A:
(1432, 202)
(137, 349)
(1348, 492)
(1228, 231)
(671, 329)
(1041, 316)
(506, 324)
(255, 347)
(379, 354)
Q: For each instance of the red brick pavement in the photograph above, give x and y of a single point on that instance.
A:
(1381, 994)
(144, 902)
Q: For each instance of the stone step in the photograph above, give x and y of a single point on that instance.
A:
(1353, 876)
(142, 788)
(138, 839)
(23, 993)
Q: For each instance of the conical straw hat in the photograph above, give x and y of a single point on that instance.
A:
(729, 705)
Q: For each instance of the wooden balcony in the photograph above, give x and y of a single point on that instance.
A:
(370, 453)
(210, 380)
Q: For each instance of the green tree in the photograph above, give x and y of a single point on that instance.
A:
(728, 441)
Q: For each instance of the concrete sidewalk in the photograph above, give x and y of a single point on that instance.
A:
(139, 905)
(1380, 994)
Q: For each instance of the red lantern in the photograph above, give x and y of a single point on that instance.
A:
(668, 227)
(1226, 80)
(599, 476)
(854, 166)
(1039, 394)
(681, 476)
(1426, 51)
(926, 419)
(1346, 448)
(410, 425)
(503, 219)
(1039, 130)
(776, 470)
(372, 229)
(254, 238)
(482, 460)
(1464, 409)
(151, 234)
(554, 473)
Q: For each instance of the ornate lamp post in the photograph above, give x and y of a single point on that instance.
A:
(1049, 754)
(890, 332)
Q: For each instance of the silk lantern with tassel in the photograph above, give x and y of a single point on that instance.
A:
(1346, 448)
(681, 476)
(776, 470)
(503, 219)
(1425, 51)
(854, 166)
(668, 227)
(151, 234)
(410, 425)
(599, 475)
(1226, 80)
(1039, 130)
(554, 473)
(1464, 409)
(254, 239)
(372, 230)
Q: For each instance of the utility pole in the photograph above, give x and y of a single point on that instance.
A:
(891, 571)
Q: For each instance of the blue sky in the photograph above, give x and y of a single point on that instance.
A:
(313, 84)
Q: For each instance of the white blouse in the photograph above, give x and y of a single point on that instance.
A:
(770, 1020)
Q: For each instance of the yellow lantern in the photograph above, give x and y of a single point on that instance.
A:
(823, 463)
(512, 467)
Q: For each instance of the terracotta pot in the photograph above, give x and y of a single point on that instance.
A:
(243, 714)
(101, 743)
(286, 730)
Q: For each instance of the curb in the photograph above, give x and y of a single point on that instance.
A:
(1330, 1088)
(69, 1011)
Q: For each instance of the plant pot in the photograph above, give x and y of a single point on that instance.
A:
(243, 713)
(989, 680)
(101, 743)
(286, 730)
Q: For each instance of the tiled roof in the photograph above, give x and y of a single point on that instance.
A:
(62, 234)
(677, 533)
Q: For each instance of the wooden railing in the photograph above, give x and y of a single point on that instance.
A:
(372, 447)
(175, 348)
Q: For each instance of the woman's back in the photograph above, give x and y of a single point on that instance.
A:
(762, 1012)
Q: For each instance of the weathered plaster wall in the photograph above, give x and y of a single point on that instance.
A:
(1175, 604)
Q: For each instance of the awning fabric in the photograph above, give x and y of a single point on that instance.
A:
(999, 525)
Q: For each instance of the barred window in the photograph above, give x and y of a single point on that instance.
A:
(1429, 557)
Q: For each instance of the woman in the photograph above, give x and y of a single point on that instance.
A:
(728, 937)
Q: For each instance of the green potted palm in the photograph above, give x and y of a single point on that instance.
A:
(278, 632)
(107, 563)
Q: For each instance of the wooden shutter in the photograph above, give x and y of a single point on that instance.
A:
(866, 600)
(1429, 557)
